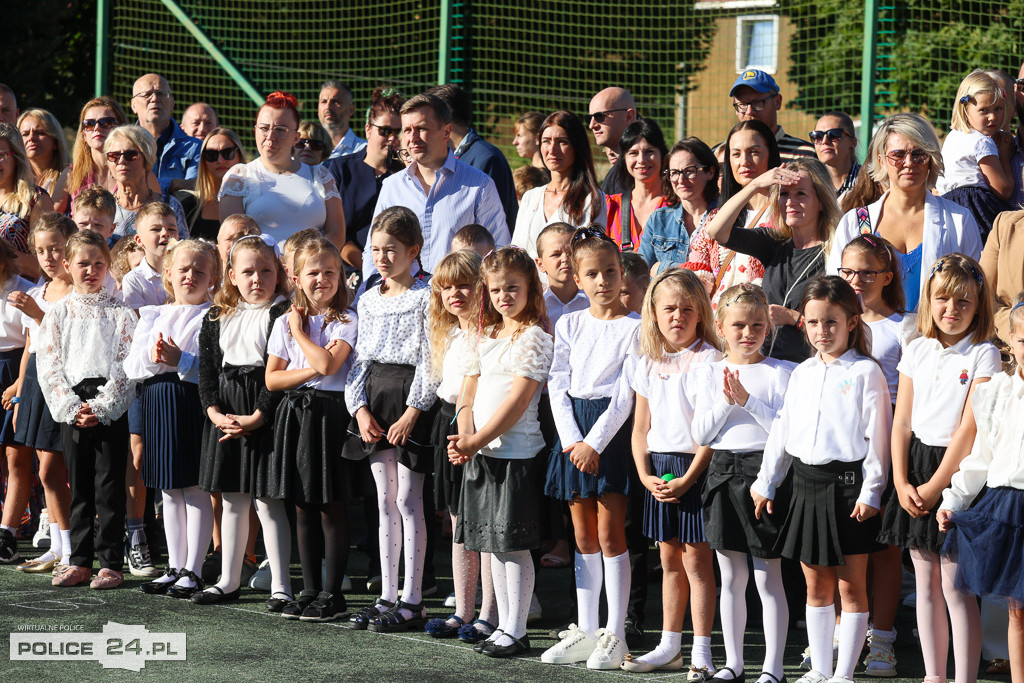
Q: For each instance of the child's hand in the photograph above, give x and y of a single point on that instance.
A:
(585, 458)
(297, 320)
(652, 483)
(165, 351)
(945, 520)
(461, 448)
(910, 500)
(26, 304)
(761, 503)
(248, 423)
(734, 389)
(8, 396)
(399, 432)
(671, 491)
(369, 430)
(863, 511)
(725, 388)
(930, 494)
(1005, 143)
(85, 417)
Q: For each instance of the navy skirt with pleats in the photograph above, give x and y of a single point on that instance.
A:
(565, 481)
(983, 204)
(9, 369)
(309, 434)
(682, 521)
(987, 544)
(36, 428)
(173, 420)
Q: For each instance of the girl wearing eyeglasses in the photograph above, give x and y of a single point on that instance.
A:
(221, 150)
(99, 116)
(835, 144)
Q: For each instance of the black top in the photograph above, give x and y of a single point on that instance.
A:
(614, 184)
(198, 227)
(787, 271)
(359, 187)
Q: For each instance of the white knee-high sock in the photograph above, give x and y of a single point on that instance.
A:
(414, 531)
(199, 517)
(384, 468)
(589, 577)
(733, 607)
(616, 586)
(774, 612)
(853, 627)
(55, 541)
(277, 537)
(821, 625)
(175, 527)
(234, 534)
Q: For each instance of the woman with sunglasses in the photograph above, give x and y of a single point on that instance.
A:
(922, 228)
(642, 163)
(131, 152)
(314, 144)
(47, 153)
(835, 144)
(22, 202)
(221, 150)
(99, 116)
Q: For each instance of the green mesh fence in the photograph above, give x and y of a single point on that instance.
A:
(679, 59)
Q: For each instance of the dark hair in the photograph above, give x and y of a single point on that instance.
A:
(634, 266)
(283, 100)
(583, 183)
(384, 100)
(706, 157)
(402, 224)
(838, 292)
(473, 234)
(845, 122)
(866, 190)
(591, 240)
(883, 252)
(556, 228)
(430, 101)
(649, 130)
(729, 184)
(458, 101)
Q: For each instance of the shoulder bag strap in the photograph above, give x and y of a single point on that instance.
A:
(626, 221)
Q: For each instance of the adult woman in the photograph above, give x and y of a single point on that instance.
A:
(47, 153)
(526, 131)
(750, 150)
(283, 195)
(21, 200)
(131, 153)
(644, 157)
(361, 175)
(573, 196)
(221, 150)
(692, 173)
(99, 116)
(314, 144)
(835, 144)
(803, 216)
(1002, 261)
(907, 160)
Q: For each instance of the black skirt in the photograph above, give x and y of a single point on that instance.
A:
(387, 389)
(9, 369)
(447, 477)
(898, 527)
(818, 529)
(237, 465)
(682, 521)
(36, 428)
(729, 521)
(309, 434)
(499, 506)
(172, 419)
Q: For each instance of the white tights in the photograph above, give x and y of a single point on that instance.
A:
(188, 525)
(936, 592)
(234, 533)
(277, 537)
(467, 565)
(400, 507)
(514, 578)
(775, 610)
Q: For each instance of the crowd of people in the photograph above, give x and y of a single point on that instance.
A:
(762, 354)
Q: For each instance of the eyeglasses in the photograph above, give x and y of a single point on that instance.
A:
(866, 276)
(159, 94)
(818, 136)
(129, 155)
(600, 116)
(386, 131)
(592, 232)
(277, 131)
(227, 154)
(918, 157)
(106, 122)
(756, 105)
(315, 145)
(689, 173)
(404, 154)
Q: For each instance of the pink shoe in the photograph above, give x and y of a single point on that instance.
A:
(71, 575)
(107, 578)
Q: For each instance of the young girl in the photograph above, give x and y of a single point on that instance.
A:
(590, 463)
(676, 333)
(983, 542)
(388, 391)
(872, 268)
(738, 401)
(499, 508)
(976, 153)
(308, 355)
(35, 427)
(834, 431)
(237, 440)
(453, 318)
(933, 431)
(88, 394)
(164, 359)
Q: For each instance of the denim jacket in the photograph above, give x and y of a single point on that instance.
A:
(665, 239)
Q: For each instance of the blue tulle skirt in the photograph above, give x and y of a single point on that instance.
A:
(566, 482)
(172, 419)
(682, 521)
(987, 544)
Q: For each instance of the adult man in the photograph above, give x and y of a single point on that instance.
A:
(335, 108)
(477, 152)
(1017, 162)
(198, 120)
(611, 110)
(443, 192)
(177, 154)
(8, 105)
(755, 95)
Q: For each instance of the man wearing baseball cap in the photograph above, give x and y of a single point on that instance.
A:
(755, 95)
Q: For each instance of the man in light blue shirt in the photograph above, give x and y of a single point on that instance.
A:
(444, 193)
(177, 153)
(335, 109)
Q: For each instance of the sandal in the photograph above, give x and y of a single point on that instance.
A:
(440, 628)
(361, 619)
(393, 621)
(471, 634)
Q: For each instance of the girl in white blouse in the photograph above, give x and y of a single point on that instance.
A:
(933, 431)
(499, 508)
(164, 359)
(834, 431)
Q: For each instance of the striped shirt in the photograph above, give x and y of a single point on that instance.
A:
(791, 148)
(851, 179)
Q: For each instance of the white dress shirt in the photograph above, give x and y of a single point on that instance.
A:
(143, 286)
(13, 322)
(350, 143)
(179, 322)
(556, 309)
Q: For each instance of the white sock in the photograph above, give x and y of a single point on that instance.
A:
(277, 537)
(10, 529)
(853, 626)
(774, 612)
(55, 540)
(616, 586)
(234, 534)
(589, 576)
(46, 557)
(733, 607)
(700, 653)
(668, 648)
(65, 546)
(821, 624)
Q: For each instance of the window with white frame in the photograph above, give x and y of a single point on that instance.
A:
(757, 42)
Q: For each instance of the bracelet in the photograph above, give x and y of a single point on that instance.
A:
(15, 400)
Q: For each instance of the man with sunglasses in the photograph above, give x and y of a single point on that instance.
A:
(611, 110)
(335, 109)
(755, 95)
(177, 153)
(198, 120)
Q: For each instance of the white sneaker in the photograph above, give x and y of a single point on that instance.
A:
(812, 677)
(450, 600)
(42, 536)
(262, 579)
(609, 653)
(536, 613)
(880, 661)
(576, 647)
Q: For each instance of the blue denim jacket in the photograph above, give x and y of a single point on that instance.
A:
(177, 156)
(665, 239)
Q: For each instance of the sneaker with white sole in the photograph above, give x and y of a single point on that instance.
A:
(880, 661)
(450, 600)
(42, 536)
(576, 647)
(138, 560)
(262, 579)
(610, 651)
(8, 548)
(805, 662)
(536, 613)
(812, 676)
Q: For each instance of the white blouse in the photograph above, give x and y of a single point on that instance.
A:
(887, 339)
(283, 345)
(243, 334)
(178, 322)
(143, 286)
(531, 221)
(12, 321)
(86, 336)
(453, 366)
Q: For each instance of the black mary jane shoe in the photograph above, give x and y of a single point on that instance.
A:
(215, 595)
(517, 647)
(277, 602)
(487, 643)
(360, 620)
(185, 592)
(160, 587)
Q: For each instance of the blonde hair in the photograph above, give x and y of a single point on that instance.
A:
(335, 311)
(976, 83)
(227, 297)
(140, 139)
(119, 256)
(958, 275)
(743, 294)
(95, 197)
(1006, 82)
(20, 200)
(206, 186)
(456, 268)
(916, 129)
(200, 247)
(52, 221)
(685, 282)
(60, 159)
(81, 154)
(829, 215)
(314, 131)
(86, 238)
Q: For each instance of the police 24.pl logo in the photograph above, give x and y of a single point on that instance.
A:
(119, 646)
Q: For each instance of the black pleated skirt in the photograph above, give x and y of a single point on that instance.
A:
(9, 370)
(898, 527)
(565, 481)
(36, 428)
(729, 521)
(237, 465)
(447, 477)
(499, 508)
(682, 521)
(818, 529)
(172, 419)
(309, 434)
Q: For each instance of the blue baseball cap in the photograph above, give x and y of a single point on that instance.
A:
(756, 79)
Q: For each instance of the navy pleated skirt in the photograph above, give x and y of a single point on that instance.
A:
(172, 419)
(309, 434)
(36, 428)
(898, 527)
(682, 521)
(9, 369)
(566, 482)
(987, 544)
(983, 204)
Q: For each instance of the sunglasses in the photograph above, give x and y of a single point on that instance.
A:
(818, 136)
(918, 157)
(106, 122)
(315, 145)
(386, 131)
(129, 155)
(227, 154)
(600, 116)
